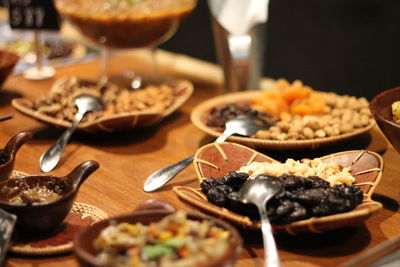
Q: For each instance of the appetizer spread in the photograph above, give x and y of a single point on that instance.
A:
(299, 113)
(173, 241)
(37, 194)
(22, 192)
(309, 189)
(59, 103)
(396, 111)
(56, 48)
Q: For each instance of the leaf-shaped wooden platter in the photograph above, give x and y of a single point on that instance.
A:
(200, 113)
(216, 160)
(183, 90)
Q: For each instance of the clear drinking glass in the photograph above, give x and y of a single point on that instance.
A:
(122, 24)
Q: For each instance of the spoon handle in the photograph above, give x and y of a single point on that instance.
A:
(271, 256)
(52, 156)
(159, 178)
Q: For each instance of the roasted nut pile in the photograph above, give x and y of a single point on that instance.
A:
(342, 114)
(59, 103)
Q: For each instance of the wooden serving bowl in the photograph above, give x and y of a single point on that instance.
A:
(183, 89)
(216, 160)
(147, 212)
(381, 109)
(9, 152)
(8, 60)
(201, 111)
(38, 218)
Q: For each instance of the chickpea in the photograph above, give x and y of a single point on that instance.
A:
(345, 128)
(275, 129)
(283, 125)
(320, 133)
(365, 111)
(333, 121)
(364, 119)
(308, 133)
(293, 136)
(312, 122)
(356, 121)
(263, 134)
(281, 136)
(336, 113)
(341, 102)
(364, 102)
(327, 109)
(347, 116)
(330, 131)
(274, 135)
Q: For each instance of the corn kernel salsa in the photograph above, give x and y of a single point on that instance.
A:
(126, 23)
(173, 241)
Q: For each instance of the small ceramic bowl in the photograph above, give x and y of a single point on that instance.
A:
(146, 213)
(8, 60)
(38, 218)
(8, 153)
(381, 109)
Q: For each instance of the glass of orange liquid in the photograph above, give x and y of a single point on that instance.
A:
(123, 24)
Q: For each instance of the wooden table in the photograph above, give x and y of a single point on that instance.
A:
(128, 157)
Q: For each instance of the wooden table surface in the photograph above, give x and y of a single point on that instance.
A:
(126, 158)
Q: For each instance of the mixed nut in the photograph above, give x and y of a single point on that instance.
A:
(293, 118)
(59, 103)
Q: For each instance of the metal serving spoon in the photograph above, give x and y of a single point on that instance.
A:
(85, 104)
(6, 118)
(243, 125)
(258, 191)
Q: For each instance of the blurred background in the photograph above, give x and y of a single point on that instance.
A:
(346, 46)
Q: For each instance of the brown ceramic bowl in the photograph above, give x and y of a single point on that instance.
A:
(381, 109)
(7, 64)
(148, 212)
(38, 218)
(8, 153)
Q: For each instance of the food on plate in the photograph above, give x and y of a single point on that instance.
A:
(396, 111)
(59, 103)
(38, 194)
(23, 193)
(340, 115)
(299, 198)
(286, 98)
(218, 116)
(126, 23)
(309, 189)
(329, 171)
(308, 114)
(51, 48)
(173, 241)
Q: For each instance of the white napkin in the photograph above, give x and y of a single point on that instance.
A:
(239, 16)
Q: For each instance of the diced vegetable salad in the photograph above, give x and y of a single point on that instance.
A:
(175, 240)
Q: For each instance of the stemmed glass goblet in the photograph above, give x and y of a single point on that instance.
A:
(125, 24)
